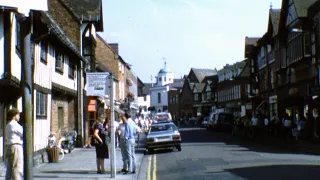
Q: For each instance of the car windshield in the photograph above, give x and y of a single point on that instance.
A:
(162, 117)
(163, 127)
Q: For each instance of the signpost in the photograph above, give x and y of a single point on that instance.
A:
(101, 84)
(20, 6)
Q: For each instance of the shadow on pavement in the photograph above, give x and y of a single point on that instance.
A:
(202, 136)
(277, 172)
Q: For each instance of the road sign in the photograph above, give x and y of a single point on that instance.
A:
(98, 84)
(23, 7)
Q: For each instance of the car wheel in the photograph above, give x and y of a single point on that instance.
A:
(178, 147)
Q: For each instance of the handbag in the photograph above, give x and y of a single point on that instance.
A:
(94, 141)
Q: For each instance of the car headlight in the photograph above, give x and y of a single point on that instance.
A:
(176, 136)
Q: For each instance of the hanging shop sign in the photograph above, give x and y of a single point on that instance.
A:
(97, 83)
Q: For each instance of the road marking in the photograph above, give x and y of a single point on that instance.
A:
(154, 174)
(149, 168)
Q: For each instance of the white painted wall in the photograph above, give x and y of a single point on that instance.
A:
(42, 77)
(166, 78)
(142, 102)
(41, 126)
(1, 45)
(16, 61)
(63, 79)
(163, 90)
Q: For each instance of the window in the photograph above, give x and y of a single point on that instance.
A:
(17, 34)
(307, 44)
(144, 98)
(41, 104)
(159, 79)
(170, 100)
(208, 95)
(159, 97)
(43, 54)
(59, 62)
(196, 98)
(177, 99)
(164, 79)
(71, 70)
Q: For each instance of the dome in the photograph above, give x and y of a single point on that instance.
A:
(164, 70)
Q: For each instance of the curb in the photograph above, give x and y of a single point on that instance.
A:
(138, 165)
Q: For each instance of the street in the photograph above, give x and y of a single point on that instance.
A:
(215, 155)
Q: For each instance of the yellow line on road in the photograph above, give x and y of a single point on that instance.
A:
(154, 174)
(149, 168)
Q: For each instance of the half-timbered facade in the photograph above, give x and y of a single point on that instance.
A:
(233, 88)
(10, 68)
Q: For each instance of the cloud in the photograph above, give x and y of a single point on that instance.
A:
(155, 11)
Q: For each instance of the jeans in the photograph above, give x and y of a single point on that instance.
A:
(130, 154)
(123, 153)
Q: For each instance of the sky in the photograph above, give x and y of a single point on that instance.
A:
(185, 33)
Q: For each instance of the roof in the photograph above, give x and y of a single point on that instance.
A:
(314, 8)
(275, 19)
(55, 29)
(302, 7)
(86, 10)
(246, 69)
(202, 73)
(199, 86)
(164, 70)
(251, 40)
(177, 84)
(146, 88)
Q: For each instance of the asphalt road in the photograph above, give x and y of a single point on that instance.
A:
(212, 155)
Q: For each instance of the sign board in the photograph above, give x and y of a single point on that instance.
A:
(97, 84)
(24, 6)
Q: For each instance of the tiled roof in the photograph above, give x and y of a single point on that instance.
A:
(55, 29)
(202, 73)
(200, 86)
(177, 84)
(146, 88)
(246, 69)
(275, 19)
(85, 10)
(251, 40)
(302, 6)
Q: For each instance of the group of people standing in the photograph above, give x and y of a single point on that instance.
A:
(126, 130)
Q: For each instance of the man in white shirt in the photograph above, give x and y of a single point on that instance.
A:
(14, 149)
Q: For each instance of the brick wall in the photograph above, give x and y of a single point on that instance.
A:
(69, 114)
(65, 20)
(105, 55)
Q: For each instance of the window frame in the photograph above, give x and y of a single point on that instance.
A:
(41, 111)
(71, 69)
(44, 46)
(59, 55)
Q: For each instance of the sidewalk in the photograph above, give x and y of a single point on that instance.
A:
(81, 164)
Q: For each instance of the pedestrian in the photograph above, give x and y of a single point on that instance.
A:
(102, 151)
(120, 131)
(14, 149)
(129, 136)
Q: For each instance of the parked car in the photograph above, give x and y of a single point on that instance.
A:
(223, 122)
(163, 135)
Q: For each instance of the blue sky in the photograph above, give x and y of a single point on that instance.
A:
(186, 33)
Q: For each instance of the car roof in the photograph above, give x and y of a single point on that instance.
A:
(161, 123)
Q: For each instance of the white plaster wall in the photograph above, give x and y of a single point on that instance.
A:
(154, 96)
(41, 126)
(42, 77)
(1, 45)
(142, 102)
(16, 61)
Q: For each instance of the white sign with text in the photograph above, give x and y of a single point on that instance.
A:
(98, 84)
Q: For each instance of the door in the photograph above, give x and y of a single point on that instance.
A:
(60, 118)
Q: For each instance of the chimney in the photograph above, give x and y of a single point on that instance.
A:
(115, 47)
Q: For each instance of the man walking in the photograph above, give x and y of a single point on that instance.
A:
(14, 150)
(129, 137)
